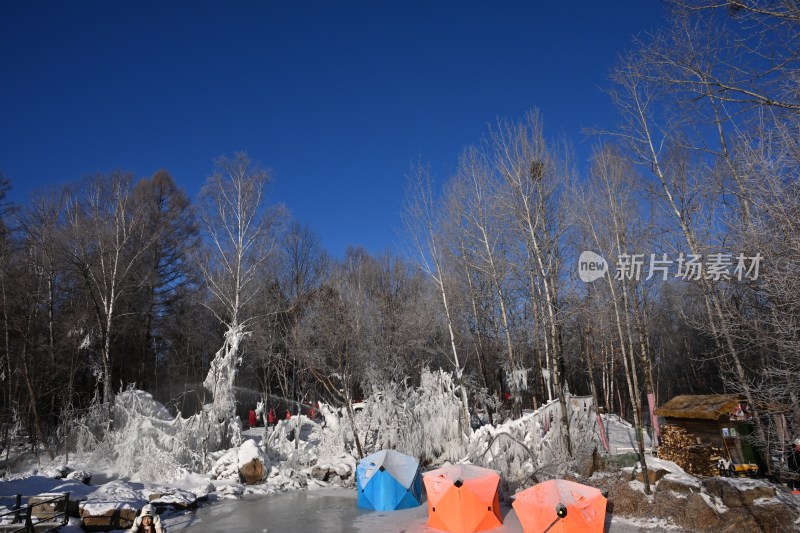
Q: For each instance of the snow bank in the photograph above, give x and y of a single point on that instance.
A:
(34, 484)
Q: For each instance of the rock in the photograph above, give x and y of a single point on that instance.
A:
(178, 499)
(682, 484)
(751, 494)
(739, 521)
(697, 513)
(107, 517)
(53, 472)
(53, 509)
(653, 475)
(321, 473)
(736, 493)
(719, 487)
(774, 518)
(586, 465)
(253, 472)
(343, 470)
(82, 475)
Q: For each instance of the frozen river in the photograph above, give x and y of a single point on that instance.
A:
(328, 510)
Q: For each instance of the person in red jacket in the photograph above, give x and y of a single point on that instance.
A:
(271, 418)
(793, 460)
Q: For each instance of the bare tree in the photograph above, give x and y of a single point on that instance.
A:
(657, 142)
(422, 220)
(484, 228)
(107, 238)
(533, 173)
(334, 338)
(304, 263)
(607, 214)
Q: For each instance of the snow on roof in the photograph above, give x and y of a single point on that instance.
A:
(699, 406)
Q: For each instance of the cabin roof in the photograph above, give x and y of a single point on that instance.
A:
(700, 406)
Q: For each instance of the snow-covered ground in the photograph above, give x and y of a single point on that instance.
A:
(149, 455)
(622, 435)
(312, 511)
(277, 504)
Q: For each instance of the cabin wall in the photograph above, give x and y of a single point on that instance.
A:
(710, 431)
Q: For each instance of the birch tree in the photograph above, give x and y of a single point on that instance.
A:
(107, 238)
(533, 174)
(607, 214)
(240, 231)
(692, 98)
(422, 219)
(484, 228)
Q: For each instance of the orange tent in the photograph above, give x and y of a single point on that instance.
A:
(463, 498)
(560, 506)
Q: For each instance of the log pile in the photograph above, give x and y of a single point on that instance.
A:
(682, 448)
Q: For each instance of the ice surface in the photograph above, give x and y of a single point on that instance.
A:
(334, 510)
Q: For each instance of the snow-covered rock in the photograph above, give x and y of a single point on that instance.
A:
(680, 483)
(112, 506)
(735, 492)
(178, 499)
(252, 462)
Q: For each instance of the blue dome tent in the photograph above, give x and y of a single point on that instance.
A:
(388, 480)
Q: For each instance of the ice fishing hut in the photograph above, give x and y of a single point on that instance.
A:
(722, 420)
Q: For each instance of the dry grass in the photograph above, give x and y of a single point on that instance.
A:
(625, 501)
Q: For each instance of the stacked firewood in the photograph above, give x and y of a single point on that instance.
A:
(682, 448)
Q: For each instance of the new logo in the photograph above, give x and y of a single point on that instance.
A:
(591, 266)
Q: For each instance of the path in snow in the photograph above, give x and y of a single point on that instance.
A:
(329, 510)
(621, 435)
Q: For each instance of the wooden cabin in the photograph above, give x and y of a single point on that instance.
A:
(722, 420)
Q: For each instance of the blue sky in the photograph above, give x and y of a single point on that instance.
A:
(336, 98)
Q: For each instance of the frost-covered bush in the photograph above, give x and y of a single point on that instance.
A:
(145, 442)
(142, 444)
(90, 428)
(420, 421)
(533, 447)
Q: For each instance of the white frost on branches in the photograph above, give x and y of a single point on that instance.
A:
(148, 443)
(421, 422)
(143, 444)
(534, 445)
(222, 374)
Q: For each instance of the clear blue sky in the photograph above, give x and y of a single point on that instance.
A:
(336, 98)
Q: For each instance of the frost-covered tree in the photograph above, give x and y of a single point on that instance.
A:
(240, 231)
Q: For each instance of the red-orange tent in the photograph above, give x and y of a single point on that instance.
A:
(562, 506)
(463, 498)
